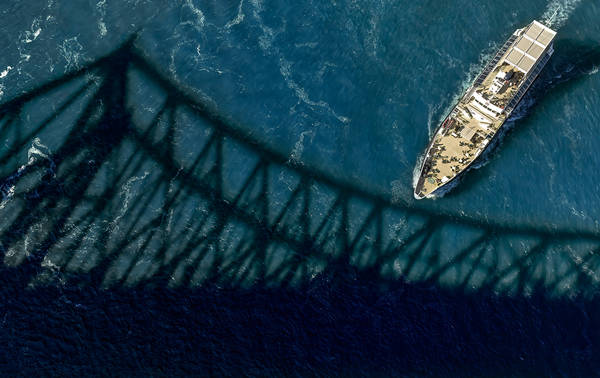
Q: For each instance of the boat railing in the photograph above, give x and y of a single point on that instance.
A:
(490, 66)
(530, 78)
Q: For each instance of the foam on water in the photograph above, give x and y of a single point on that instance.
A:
(200, 19)
(126, 194)
(24, 41)
(238, 18)
(296, 155)
(432, 109)
(417, 170)
(101, 7)
(34, 32)
(558, 12)
(398, 190)
(71, 51)
(5, 72)
(36, 152)
(285, 69)
(266, 44)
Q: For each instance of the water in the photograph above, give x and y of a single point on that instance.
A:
(307, 254)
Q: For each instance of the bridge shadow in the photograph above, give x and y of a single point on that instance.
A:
(135, 190)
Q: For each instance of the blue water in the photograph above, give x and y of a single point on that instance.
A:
(126, 252)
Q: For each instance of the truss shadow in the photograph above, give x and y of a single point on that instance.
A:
(143, 183)
(216, 255)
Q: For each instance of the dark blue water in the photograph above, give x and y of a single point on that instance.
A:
(225, 188)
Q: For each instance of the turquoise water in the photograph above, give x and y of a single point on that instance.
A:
(337, 100)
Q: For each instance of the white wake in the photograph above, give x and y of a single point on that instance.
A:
(558, 12)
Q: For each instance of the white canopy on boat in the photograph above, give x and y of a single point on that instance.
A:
(530, 46)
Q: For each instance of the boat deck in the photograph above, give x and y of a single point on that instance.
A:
(454, 149)
(478, 116)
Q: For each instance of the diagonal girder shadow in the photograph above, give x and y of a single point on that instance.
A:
(161, 189)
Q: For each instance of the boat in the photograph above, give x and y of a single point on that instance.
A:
(473, 123)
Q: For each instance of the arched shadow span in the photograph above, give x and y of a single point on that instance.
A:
(161, 189)
(287, 261)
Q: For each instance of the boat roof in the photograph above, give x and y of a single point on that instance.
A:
(530, 46)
